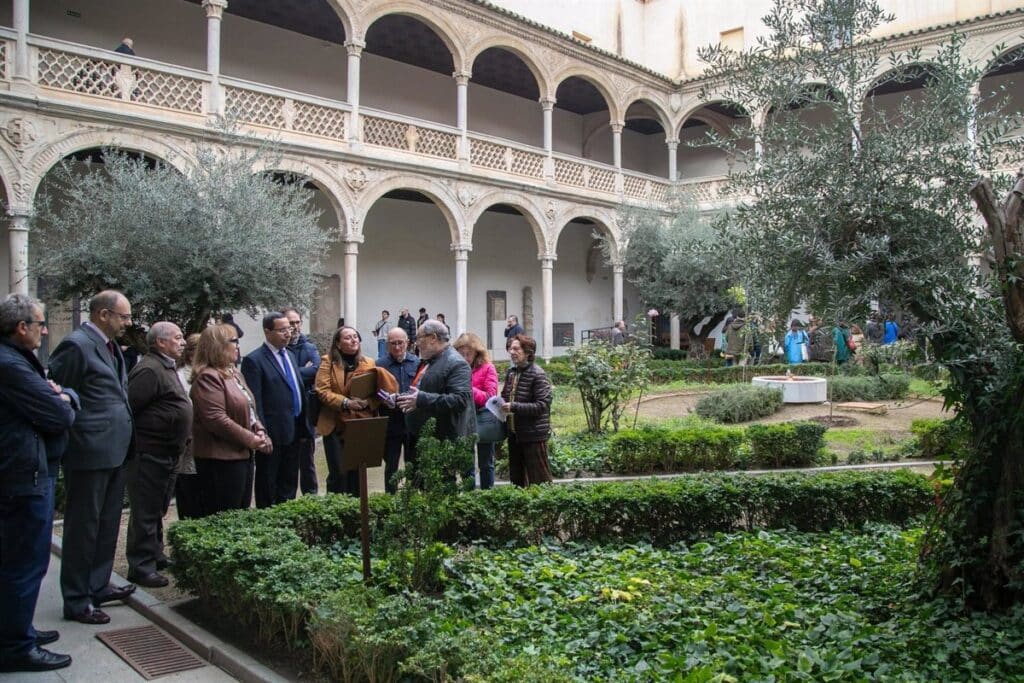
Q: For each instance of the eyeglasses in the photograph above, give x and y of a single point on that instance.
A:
(41, 323)
(282, 330)
(294, 323)
(125, 317)
(398, 343)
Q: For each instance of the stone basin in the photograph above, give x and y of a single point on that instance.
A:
(796, 389)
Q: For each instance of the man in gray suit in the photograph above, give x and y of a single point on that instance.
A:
(442, 389)
(90, 362)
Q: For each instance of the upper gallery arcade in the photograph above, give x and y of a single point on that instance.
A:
(467, 153)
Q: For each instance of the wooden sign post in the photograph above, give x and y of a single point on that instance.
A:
(364, 447)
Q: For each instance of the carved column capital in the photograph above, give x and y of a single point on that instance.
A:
(215, 8)
(462, 77)
(354, 48)
(547, 103)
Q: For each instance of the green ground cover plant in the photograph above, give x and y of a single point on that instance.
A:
(740, 403)
(690, 584)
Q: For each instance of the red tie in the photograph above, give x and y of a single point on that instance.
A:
(112, 348)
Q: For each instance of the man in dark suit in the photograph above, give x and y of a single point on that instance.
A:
(442, 389)
(308, 362)
(163, 427)
(271, 371)
(90, 362)
(34, 418)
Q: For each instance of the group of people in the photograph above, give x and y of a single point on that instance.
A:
(405, 321)
(818, 343)
(196, 422)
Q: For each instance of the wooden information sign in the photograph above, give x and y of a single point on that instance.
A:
(364, 447)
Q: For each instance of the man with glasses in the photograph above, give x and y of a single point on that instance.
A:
(308, 362)
(271, 371)
(402, 365)
(35, 416)
(442, 389)
(89, 361)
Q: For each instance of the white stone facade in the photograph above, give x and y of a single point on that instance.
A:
(359, 126)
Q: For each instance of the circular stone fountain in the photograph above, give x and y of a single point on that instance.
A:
(796, 389)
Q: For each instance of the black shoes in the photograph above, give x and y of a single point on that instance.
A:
(46, 637)
(36, 659)
(164, 563)
(113, 594)
(90, 616)
(151, 580)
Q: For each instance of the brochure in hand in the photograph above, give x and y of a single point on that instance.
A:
(494, 404)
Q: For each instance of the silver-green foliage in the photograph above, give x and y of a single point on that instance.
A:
(181, 245)
(863, 202)
(679, 264)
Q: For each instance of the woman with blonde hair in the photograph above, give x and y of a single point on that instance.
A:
(225, 429)
(485, 385)
(186, 485)
(338, 368)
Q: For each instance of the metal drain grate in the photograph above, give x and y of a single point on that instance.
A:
(150, 651)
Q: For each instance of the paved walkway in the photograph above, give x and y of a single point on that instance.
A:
(93, 661)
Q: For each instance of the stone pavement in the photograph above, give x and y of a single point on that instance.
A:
(93, 661)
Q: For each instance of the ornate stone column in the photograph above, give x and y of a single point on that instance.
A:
(617, 145)
(547, 105)
(17, 235)
(22, 71)
(355, 51)
(214, 14)
(461, 287)
(547, 266)
(351, 250)
(673, 326)
(462, 111)
(673, 145)
(617, 291)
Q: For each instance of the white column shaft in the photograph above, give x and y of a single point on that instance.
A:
(673, 326)
(673, 174)
(617, 146)
(547, 266)
(18, 243)
(351, 266)
(21, 26)
(354, 53)
(461, 290)
(617, 293)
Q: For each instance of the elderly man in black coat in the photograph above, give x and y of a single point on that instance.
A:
(34, 418)
(442, 389)
(163, 427)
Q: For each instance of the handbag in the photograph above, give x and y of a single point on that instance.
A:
(850, 344)
(489, 429)
(805, 348)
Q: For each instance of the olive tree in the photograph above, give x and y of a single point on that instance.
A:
(181, 245)
(679, 264)
(847, 208)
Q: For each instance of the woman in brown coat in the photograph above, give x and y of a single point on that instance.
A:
(527, 396)
(333, 380)
(225, 430)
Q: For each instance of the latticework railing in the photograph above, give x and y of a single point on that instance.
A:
(634, 186)
(409, 137)
(569, 173)
(250, 106)
(317, 119)
(107, 78)
(601, 179)
(525, 163)
(5, 72)
(488, 154)
(167, 90)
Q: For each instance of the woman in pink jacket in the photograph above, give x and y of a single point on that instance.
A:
(485, 385)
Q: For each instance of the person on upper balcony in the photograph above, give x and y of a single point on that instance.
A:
(127, 46)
